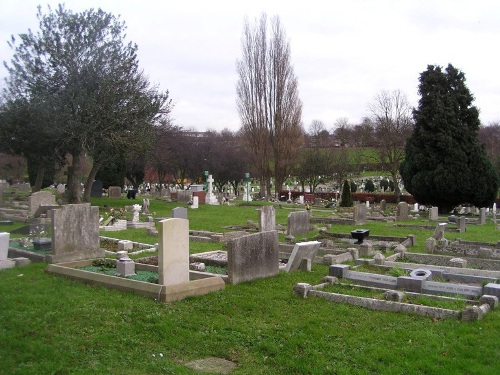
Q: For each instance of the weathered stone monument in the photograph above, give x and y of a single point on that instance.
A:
(298, 223)
(267, 219)
(433, 214)
(4, 245)
(359, 214)
(195, 203)
(302, 256)
(482, 216)
(179, 213)
(114, 192)
(40, 198)
(252, 257)
(402, 211)
(75, 233)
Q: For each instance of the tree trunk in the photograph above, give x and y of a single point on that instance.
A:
(90, 180)
(39, 178)
(397, 191)
(73, 180)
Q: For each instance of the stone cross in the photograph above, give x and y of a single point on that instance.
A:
(210, 180)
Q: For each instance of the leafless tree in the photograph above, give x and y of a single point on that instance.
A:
(268, 101)
(391, 117)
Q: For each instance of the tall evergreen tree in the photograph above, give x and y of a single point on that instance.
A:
(346, 200)
(445, 165)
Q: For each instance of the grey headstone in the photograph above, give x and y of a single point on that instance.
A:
(383, 205)
(252, 257)
(179, 213)
(75, 233)
(114, 192)
(40, 198)
(96, 189)
(402, 211)
(433, 214)
(298, 223)
(302, 251)
(184, 196)
(359, 214)
(267, 219)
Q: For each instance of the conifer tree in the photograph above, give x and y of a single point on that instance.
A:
(445, 165)
(346, 200)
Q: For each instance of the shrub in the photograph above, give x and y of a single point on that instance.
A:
(370, 186)
(346, 200)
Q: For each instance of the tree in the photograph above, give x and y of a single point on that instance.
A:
(391, 117)
(79, 69)
(268, 101)
(370, 186)
(445, 165)
(346, 200)
(489, 136)
(339, 165)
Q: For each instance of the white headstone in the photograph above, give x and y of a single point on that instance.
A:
(173, 252)
(415, 207)
(494, 209)
(136, 208)
(367, 204)
(301, 199)
(4, 245)
(210, 198)
(195, 202)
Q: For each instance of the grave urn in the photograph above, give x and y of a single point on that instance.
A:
(360, 235)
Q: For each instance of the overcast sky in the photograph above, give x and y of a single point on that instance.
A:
(343, 52)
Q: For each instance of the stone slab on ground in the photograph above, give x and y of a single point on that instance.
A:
(212, 365)
(7, 263)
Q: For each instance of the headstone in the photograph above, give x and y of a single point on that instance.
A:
(61, 188)
(210, 197)
(252, 257)
(184, 196)
(194, 205)
(196, 187)
(298, 223)
(202, 195)
(247, 197)
(433, 214)
(4, 245)
(24, 187)
(430, 245)
(75, 233)
(383, 204)
(317, 201)
(40, 198)
(461, 221)
(173, 251)
(402, 211)
(359, 214)
(114, 192)
(301, 199)
(96, 190)
(494, 209)
(179, 213)
(125, 267)
(267, 219)
(439, 231)
(145, 206)
(302, 252)
(482, 216)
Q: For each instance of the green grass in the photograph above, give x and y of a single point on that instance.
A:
(52, 325)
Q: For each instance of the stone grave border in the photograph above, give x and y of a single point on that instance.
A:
(470, 313)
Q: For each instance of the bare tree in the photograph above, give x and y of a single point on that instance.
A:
(268, 102)
(339, 159)
(391, 117)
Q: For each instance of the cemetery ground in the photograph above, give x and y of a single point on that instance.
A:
(53, 325)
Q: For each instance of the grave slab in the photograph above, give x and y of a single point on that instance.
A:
(302, 251)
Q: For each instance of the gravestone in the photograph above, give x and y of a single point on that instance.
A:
(210, 197)
(4, 245)
(24, 187)
(179, 213)
(194, 205)
(461, 221)
(114, 192)
(433, 214)
(439, 231)
(359, 214)
(184, 196)
(61, 188)
(145, 206)
(96, 189)
(298, 223)
(173, 252)
(482, 216)
(40, 198)
(383, 205)
(402, 211)
(75, 233)
(252, 257)
(301, 199)
(302, 251)
(201, 196)
(267, 219)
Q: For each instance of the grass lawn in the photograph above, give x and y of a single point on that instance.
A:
(52, 325)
